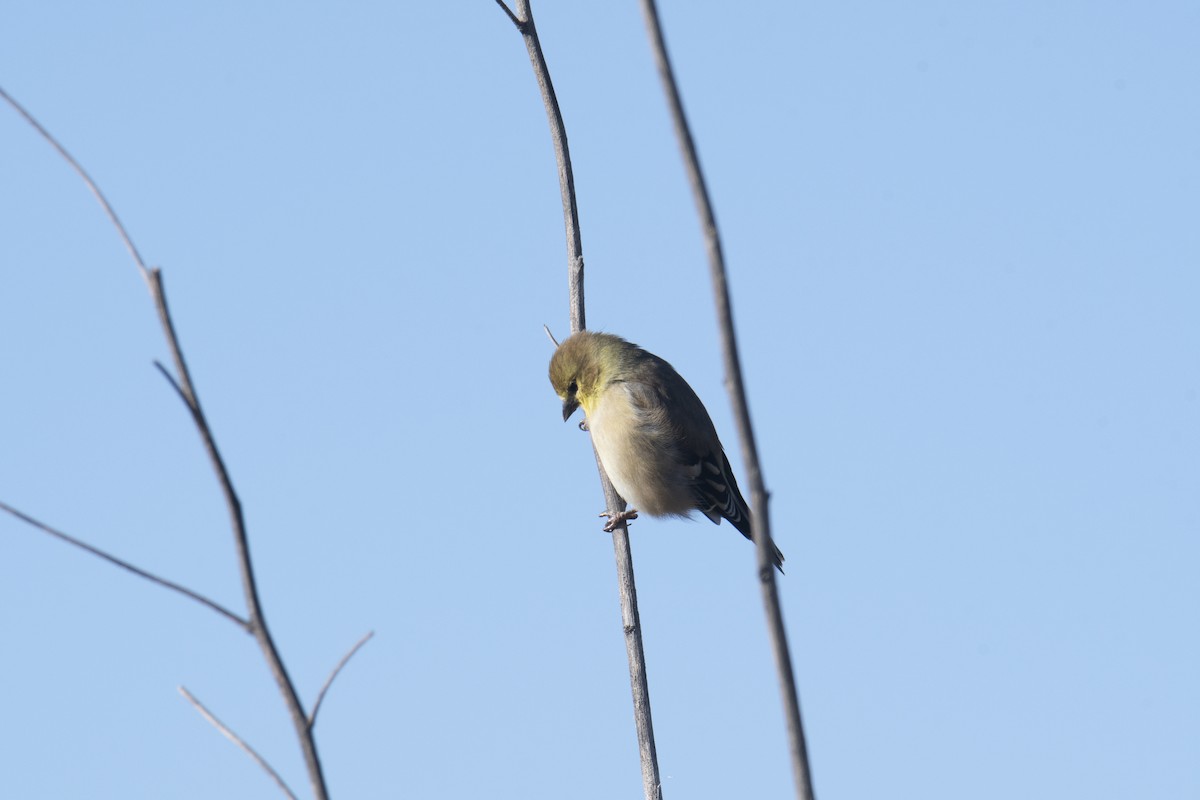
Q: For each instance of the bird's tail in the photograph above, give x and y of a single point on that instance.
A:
(738, 513)
(742, 523)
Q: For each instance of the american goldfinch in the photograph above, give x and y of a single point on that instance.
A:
(652, 433)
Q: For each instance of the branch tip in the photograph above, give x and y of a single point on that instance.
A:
(239, 741)
(174, 385)
(312, 717)
(87, 180)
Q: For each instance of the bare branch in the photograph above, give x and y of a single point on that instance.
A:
(635, 652)
(239, 741)
(141, 573)
(186, 388)
(553, 341)
(166, 373)
(312, 717)
(760, 519)
(562, 156)
(87, 179)
(630, 619)
(515, 20)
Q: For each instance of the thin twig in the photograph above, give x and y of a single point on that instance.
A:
(760, 520)
(187, 391)
(312, 717)
(515, 20)
(166, 373)
(87, 179)
(523, 19)
(141, 573)
(239, 741)
(630, 619)
(553, 341)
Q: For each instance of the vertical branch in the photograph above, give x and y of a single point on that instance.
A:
(760, 519)
(523, 19)
(632, 624)
(630, 619)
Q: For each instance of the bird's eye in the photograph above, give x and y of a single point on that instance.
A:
(573, 388)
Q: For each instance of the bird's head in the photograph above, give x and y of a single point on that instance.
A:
(583, 365)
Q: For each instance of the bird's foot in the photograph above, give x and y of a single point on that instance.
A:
(620, 518)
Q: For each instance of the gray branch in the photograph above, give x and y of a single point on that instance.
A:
(312, 717)
(187, 391)
(244, 624)
(631, 622)
(761, 521)
(239, 741)
(87, 179)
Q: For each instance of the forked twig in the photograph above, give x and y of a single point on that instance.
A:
(187, 392)
(312, 717)
(239, 741)
(760, 521)
(630, 619)
(141, 573)
(515, 19)
(262, 635)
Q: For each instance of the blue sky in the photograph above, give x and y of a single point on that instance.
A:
(965, 266)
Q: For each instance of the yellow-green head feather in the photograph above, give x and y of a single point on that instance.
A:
(586, 363)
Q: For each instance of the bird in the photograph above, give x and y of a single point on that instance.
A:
(653, 435)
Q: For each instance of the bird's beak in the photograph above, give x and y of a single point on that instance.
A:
(569, 406)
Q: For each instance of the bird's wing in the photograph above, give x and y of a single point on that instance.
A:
(671, 406)
(670, 411)
(717, 494)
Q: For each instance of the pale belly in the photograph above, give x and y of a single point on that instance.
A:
(608, 424)
(642, 474)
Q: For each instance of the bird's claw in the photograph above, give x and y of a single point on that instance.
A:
(618, 519)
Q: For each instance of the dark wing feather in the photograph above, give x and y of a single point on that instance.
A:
(711, 483)
(717, 493)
